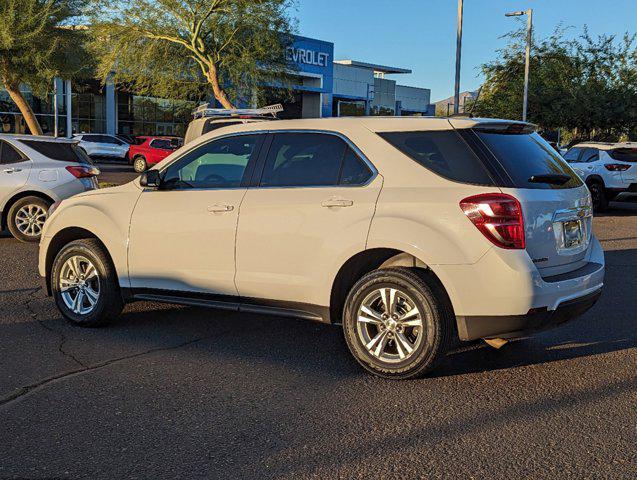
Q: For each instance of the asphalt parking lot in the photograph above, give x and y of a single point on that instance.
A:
(176, 392)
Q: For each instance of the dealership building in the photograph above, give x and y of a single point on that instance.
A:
(323, 87)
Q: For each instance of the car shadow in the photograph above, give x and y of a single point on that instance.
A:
(625, 208)
(320, 349)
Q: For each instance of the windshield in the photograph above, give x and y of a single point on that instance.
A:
(529, 160)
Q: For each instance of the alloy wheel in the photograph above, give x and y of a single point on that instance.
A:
(79, 285)
(390, 325)
(30, 219)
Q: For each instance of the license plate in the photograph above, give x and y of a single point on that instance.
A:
(572, 233)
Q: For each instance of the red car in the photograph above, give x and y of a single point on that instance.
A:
(147, 151)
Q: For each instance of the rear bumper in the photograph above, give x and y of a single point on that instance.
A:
(473, 328)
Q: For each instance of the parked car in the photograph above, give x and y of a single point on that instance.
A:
(102, 145)
(609, 169)
(149, 151)
(34, 173)
(208, 119)
(414, 233)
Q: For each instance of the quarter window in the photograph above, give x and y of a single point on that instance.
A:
(310, 160)
(8, 154)
(218, 164)
(442, 152)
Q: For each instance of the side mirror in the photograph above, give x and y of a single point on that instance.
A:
(150, 178)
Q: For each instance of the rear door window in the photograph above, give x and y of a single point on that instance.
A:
(304, 160)
(573, 155)
(8, 154)
(162, 143)
(590, 155)
(443, 152)
(526, 155)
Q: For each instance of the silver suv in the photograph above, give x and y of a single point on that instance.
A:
(34, 173)
(414, 233)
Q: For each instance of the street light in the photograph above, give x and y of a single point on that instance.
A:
(527, 66)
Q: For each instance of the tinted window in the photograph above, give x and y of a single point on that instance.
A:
(8, 154)
(442, 152)
(163, 143)
(212, 125)
(572, 155)
(218, 164)
(303, 160)
(524, 155)
(624, 154)
(590, 155)
(354, 170)
(63, 151)
(91, 138)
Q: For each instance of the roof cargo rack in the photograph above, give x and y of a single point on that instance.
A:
(205, 111)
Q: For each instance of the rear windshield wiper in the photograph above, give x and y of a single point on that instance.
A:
(550, 178)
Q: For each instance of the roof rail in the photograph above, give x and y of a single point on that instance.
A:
(205, 111)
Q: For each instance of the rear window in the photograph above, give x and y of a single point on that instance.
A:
(442, 152)
(624, 154)
(213, 125)
(65, 152)
(524, 155)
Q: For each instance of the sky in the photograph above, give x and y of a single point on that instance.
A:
(421, 34)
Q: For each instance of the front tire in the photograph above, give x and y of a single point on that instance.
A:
(84, 284)
(398, 322)
(26, 218)
(139, 164)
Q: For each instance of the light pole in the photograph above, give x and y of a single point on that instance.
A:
(527, 66)
(456, 101)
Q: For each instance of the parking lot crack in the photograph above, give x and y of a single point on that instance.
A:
(35, 316)
(29, 389)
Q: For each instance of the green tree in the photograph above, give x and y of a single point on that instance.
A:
(37, 43)
(188, 48)
(586, 85)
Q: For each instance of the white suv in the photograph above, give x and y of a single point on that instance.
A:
(609, 169)
(101, 145)
(411, 232)
(34, 173)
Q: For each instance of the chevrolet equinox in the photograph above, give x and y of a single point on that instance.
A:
(413, 233)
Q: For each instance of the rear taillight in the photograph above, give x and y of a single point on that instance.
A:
(499, 217)
(617, 167)
(81, 171)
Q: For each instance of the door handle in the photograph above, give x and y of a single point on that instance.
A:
(337, 202)
(12, 170)
(220, 208)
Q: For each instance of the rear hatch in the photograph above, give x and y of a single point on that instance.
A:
(555, 203)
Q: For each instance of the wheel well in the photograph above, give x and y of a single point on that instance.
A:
(18, 196)
(62, 238)
(361, 264)
(594, 179)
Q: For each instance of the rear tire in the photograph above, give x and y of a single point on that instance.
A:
(402, 333)
(139, 164)
(598, 194)
(84, 284)
(26, 218)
